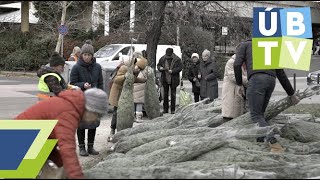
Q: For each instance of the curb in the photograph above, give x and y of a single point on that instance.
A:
(18, 73)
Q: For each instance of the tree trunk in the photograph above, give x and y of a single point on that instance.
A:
(24, 16)
(63, 18)
(154, 32)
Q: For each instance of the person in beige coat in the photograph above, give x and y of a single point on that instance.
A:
(116, 88)
(138, 94)
(233, 97)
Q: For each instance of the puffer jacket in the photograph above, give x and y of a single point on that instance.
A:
(83, 72)
(68, 108)
(117, 85)
(138, 88)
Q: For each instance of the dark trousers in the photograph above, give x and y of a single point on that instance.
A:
(196, 97)
(114, 118)
(260, 88)
(81, 133)
(166, 87)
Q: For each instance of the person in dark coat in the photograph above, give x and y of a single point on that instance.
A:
(208, 77)
(170, 65)
(261, 84)
(193, 73)
(87, 74)
(51, 83)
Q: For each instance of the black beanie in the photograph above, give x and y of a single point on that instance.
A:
(169, 51)
(56, 60)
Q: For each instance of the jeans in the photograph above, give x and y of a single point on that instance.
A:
(139, 107)
(114, 118)
(259, 91)
(81, 133)
(166, 87)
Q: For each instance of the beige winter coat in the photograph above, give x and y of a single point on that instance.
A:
(138, 88)
(233, 104)
(117, 85)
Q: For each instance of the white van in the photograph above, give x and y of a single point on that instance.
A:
(113, 52)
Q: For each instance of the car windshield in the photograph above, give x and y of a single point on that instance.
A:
(107, 51)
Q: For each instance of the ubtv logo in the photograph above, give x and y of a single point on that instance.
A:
(279, 38)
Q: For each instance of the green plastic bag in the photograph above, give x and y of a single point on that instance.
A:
(185, 98)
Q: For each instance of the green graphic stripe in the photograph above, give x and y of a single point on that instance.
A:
(45, 126)
(30, 168)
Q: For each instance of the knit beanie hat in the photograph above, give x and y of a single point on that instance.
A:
(195, 55)
(141, 62)
(96, 100)
(87, 48)
(56, 60)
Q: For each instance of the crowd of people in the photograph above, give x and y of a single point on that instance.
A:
(81, 104)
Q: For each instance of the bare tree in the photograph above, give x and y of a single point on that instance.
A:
(153, 33)
(25, 16)
(63, 19)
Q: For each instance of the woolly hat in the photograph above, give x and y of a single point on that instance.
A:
(141, 62)
(169, 51)
(96, 100)
(195, 55)
(206, 52)
(56, 60)
(87, 48)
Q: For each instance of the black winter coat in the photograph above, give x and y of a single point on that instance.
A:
(193, 73)
(83, 72)
(177, 67)
(244, 54)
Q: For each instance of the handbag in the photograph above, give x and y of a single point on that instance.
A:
(94, 125)
(185, 98)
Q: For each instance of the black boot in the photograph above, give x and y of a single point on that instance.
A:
(82, 150)
(112, 132)
(91, 150)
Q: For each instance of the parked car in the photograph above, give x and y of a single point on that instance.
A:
(313, 77)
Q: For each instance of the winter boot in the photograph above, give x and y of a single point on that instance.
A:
(138, 118)
(91, 150)
(111, 135)
(276, 148)
(82, 150)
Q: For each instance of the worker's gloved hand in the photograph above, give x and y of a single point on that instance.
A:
(73, 87)
(294, 99)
